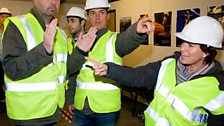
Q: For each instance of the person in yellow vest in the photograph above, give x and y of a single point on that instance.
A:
(94, 100)
(4, 13)
(188, 86)
(76, 19)
(36, 62)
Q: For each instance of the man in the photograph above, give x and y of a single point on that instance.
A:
(76, 18)
(35, 57)
(4, 13)
(181, 82)
(97, 101)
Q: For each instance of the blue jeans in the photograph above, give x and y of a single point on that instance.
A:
(96, 119)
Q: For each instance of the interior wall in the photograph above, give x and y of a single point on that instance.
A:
(16, 7)
(134, 8)
(23, 7)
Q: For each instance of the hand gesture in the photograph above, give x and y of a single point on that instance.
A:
(49, 35)
(100, 69)
(145, 25)
(85, 42)
(71, 108)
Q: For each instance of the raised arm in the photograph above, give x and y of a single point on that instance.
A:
(84, 43)
(19, 63)
(131, 38)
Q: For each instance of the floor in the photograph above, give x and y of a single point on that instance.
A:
(125, 119)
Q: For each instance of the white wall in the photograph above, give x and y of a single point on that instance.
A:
(23, 7)
(134, 8)
(16, 7)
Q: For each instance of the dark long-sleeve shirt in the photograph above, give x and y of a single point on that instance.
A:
(125, 43)
(19, 63)
(146, 76)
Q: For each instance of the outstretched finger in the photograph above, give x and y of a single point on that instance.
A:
(90, 59)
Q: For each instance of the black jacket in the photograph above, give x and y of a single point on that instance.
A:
(146, 76)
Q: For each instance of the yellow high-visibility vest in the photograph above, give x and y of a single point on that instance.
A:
(102, 95)
(40, 94)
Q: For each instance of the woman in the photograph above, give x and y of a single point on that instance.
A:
(188, 86)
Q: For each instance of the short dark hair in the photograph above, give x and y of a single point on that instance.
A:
(80, 19)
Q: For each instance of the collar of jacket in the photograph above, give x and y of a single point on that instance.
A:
(101, 32)
(38, 16)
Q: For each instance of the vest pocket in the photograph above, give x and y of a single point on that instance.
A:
(30, 105)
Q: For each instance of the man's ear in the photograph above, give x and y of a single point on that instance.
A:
(83, 23)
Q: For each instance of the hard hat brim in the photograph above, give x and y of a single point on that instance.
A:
(188, 39)
(5, 13)
(106, 8)
(68, 16)
(184, 37)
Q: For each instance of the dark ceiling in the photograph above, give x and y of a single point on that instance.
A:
(79, 1)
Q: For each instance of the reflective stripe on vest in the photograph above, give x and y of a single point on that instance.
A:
(61, 58)
(64, 35)
(61, 79)
(216, 103)
(37, 87)
(96, 86)
(109, 52)
(28, 87)
(155, 116)
(109, 48)
(43, 87)
(179, 106)
(31, 43)
(175, 102)
(162, 72)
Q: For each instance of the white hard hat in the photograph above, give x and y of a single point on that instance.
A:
(77, 12)
(5, 11)
(91, 4)
(203, 30)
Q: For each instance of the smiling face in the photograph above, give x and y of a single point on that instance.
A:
(192, 56)
(98, 18)
(47, 8)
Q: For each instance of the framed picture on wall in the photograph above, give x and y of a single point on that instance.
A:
(183, 17)
(217, 12)
(125, 22)
(146, 42)
(162, 36)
